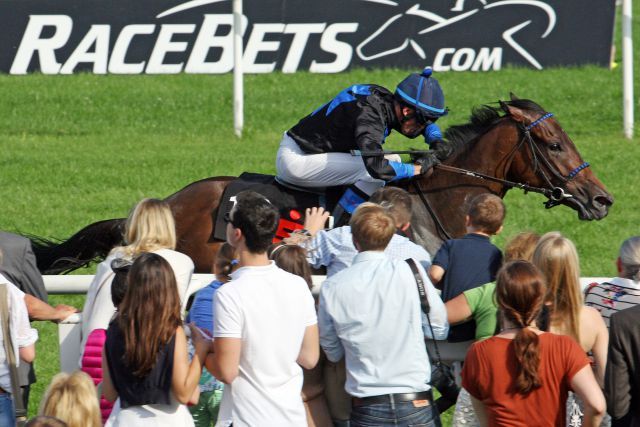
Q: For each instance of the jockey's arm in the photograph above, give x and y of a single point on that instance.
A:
(369, 134)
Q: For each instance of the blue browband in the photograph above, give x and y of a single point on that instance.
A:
(540, 120)
(574, 172)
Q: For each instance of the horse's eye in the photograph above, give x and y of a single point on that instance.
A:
(555, 147)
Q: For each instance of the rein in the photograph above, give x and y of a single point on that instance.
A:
(554, 194)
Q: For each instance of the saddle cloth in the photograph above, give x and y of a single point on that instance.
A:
(290, 203)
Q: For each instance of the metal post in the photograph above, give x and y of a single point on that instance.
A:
(238, 84)
(627, 69)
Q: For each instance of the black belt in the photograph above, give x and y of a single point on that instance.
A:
(392, 398)
(3, 391)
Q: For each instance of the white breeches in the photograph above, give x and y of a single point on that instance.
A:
(322, 170)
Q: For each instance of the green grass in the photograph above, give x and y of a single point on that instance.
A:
(77, 149)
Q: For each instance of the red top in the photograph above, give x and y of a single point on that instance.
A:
(489, 375)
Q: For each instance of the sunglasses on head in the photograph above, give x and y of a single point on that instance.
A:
(227, 218)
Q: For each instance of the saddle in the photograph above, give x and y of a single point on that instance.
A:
(291, 201)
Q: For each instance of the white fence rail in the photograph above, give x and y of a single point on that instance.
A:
(69, 330)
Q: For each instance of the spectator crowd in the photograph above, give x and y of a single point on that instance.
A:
(256, 348)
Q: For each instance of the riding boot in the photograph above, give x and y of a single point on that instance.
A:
(350, 200)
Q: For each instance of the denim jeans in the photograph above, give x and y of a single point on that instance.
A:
(7, 413)
(403, 414)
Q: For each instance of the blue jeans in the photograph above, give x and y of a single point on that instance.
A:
(403, 414)
(7, 413)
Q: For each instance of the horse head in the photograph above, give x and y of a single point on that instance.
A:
(517, 145)
(547, 158)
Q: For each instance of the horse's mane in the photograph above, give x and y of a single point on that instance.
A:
(482, 119)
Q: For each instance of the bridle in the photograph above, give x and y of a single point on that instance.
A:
(555, 194)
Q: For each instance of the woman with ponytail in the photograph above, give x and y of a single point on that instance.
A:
(522, 376)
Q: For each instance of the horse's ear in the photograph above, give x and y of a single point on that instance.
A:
(513, 96)
(515, 113)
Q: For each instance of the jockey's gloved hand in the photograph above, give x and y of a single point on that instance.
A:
(427, 162)
(442, 149)
(432, 133)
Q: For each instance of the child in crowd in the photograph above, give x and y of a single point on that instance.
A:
(293, 259)
(471, 261)
(205, 413)
(522, 376)
(72, 398)
(145, 362)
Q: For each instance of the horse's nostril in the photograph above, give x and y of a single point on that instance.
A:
(603, 200)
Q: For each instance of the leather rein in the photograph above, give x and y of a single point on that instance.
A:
(554, 194)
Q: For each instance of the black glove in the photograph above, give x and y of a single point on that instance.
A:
(428, 161)
(442, 149)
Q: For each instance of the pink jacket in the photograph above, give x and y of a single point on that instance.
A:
(92, 365)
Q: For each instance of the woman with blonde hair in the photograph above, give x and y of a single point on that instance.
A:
(144, 360)
(557, 258)
(72, 398)
(149, 228)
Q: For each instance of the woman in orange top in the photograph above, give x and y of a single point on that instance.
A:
(521, 377)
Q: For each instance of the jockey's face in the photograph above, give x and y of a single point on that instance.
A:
(411, 124)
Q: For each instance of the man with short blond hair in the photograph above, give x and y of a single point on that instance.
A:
(373, 226)
(370, 315)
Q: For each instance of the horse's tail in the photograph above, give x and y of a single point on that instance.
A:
(92, 243)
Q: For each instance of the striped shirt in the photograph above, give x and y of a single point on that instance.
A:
(612, 296)
(334, 249)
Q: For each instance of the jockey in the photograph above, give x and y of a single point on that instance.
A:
(316, 151)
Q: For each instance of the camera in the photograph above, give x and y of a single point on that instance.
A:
(443, 380)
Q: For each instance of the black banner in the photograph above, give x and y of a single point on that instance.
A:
(328, 36)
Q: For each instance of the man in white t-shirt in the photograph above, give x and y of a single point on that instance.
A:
(265, 326)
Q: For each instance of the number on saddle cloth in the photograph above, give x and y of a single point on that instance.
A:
(291, 203)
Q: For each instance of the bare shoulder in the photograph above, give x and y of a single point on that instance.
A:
(591, 316)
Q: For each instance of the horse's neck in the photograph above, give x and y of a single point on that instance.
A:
(448, 193)
(487, 154)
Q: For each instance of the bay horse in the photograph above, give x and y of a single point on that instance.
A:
(517, 144)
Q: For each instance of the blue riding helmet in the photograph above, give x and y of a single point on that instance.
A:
(423, 93)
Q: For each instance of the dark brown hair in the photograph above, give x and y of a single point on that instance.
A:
(486, 213)
(225, 262)
(150, 312)
(293, 259)
(520, 292)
